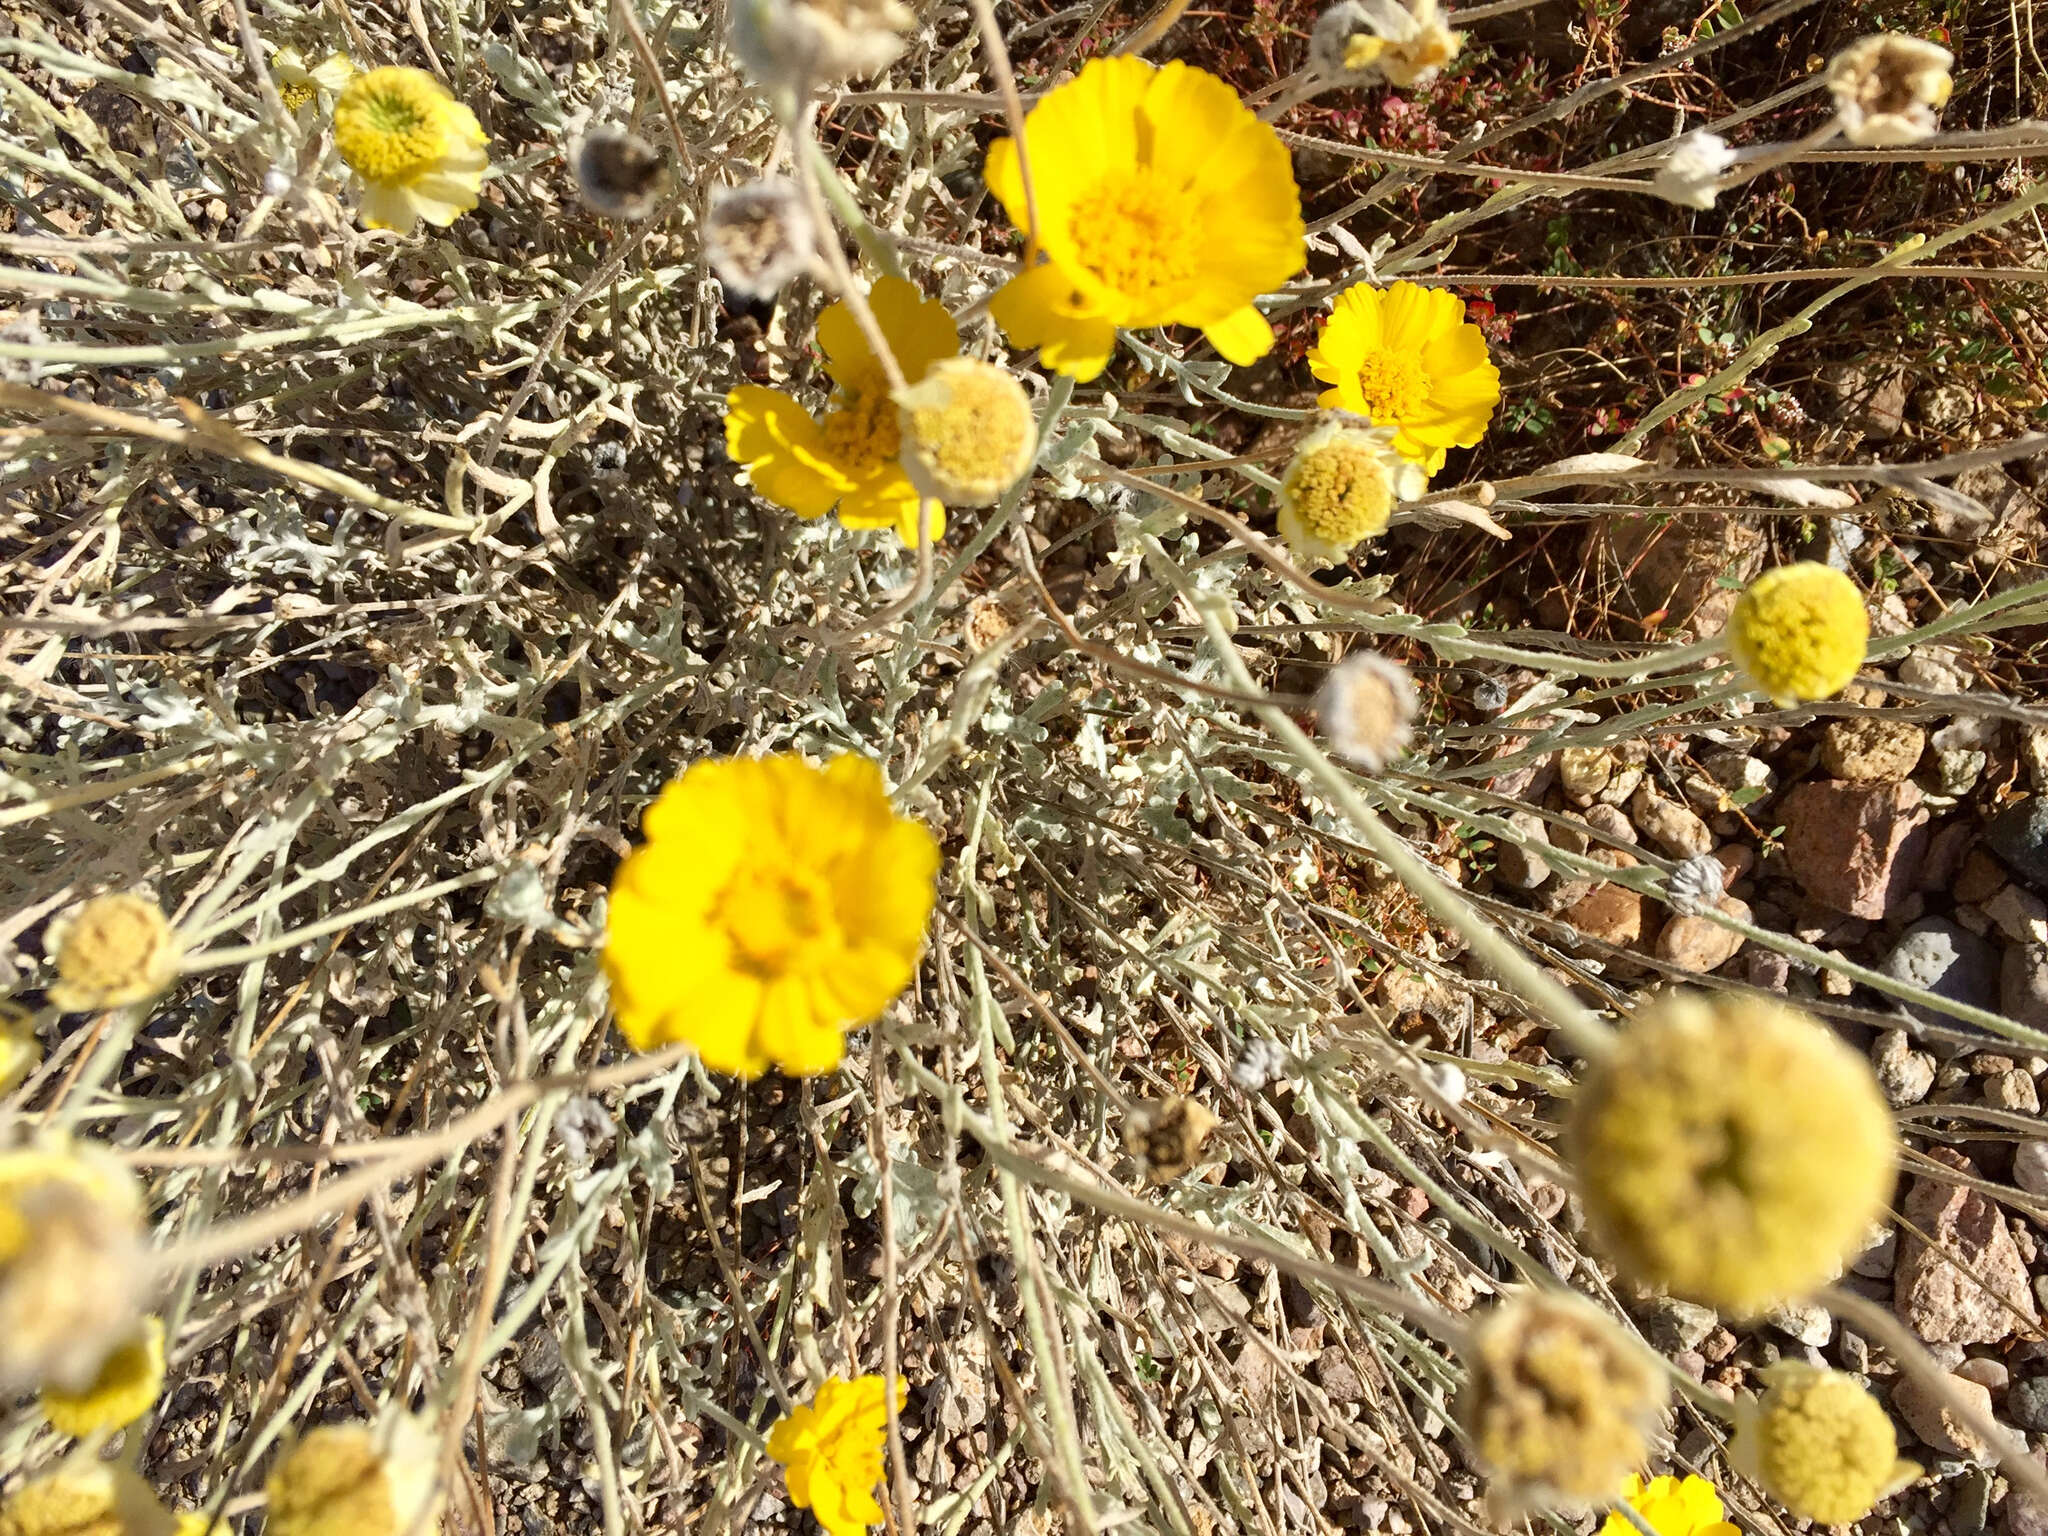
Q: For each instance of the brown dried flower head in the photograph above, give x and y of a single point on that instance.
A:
(619, 174)
(1167, 1136)
(758, 236)
(796, 44)
(1888, 88)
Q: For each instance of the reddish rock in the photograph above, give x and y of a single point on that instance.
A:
(1960, 1302)
(1854, 848)
(1698, 944)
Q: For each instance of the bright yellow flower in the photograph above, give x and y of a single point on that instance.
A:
(1687, 1506)
(95, 1498)
(1731, 1151)
(300, 84)
(418, 152)
(71, 1266)
(1161, 201)
(128, 1383)
(1405, 357)
(848, 457)
(968, 432)
(1800, 632)
(773, 907)
(832, 1452)
(358, 1480)
(1820, 1445)
(113, 950)
(20, 1050)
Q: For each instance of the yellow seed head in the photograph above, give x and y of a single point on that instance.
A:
(1731, 1151)
(114, 950)
(1342, 486)
(357, 1480)
(1800, 632)
(393, 124)
(1820, 1445)
(128, 1384)
(19, 1048)
(967, 431)
(1559, 1402)
(71, 1266)
(97, 1498)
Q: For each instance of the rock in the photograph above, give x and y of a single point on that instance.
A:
(1989, 1374)
(1609, 822)
(1947, 960)
(1936, 668)
(1870, 750)
(1853, 847)
(1337, 1378)
(1947, 407)
(1807, 1321)
(1971, 1507)
(1698, 944)
(2024, 1514)
(2026, 1403)
(1956, 772)
(2014, 1091)
(1854, 1352)
(1867, 398)
(1936, 1424)
(2034, 753)
(2019, 914)
(1514, 864)
(2019, 835)
(1689, 569)
(1879, 1258)
(1945, 850)
(1672, 1325)
(1768, 969)
(1955, 1302)
(1611, 913)
(2023, 985)
(1980, 878)
(2030, 1170)
(1670, 825)
(1903, 1073)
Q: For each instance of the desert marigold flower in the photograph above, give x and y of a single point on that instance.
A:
(20, 1050)
(301, 84)
(98, 1498)
(1341, 486)
(831, 1451)
(1559, 1402)
(968, 432)
(1691, 173)
(848, 457)
(1405, 357)
(113, 950)
(1731, 1151)
(1888, 88)
(357, 1479)
(618, 174)
(1366, 708)
(1820, 1445)
(1162, 200)
(71, 1263)
(1404, 44)
(418, 152)
(758, 236)
(1800, 632)
(129, 1382)
(1672, 1506)
(795, 44)
(774, 906)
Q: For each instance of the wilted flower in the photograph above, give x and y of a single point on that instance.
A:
(129, 1382)
(113, 950)
(418, 152)
(1696, 885)
(1261, 1060)
(1341, 486)
(759, 236)
(831, 1451)
(1731, 1151)
(71, 1266)
(773, 907)
(1819, 1444)
(301, 85)
(1887, 88)
(1558, 1401)
(357, 1480)
(796, 44)
(1405, 44)
(1800, 632)
(968, 432)
(618, 174)
(1366, 707)
(89, 1498)
(1162, 200)
(1671, 1506)
(1692, 171)
(850, 456)
(20, 1050)
(1405, 357)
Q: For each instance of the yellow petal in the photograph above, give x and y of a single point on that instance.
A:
(1039, 308)
(1242, 337)
(783, 450)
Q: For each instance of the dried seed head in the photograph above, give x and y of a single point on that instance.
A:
(759, 236)
(968, 432)
(1559, 1402)
(1167, 1136)
(1366, 707)
(71, 1266)
(1261, 1060)
(1820, 1445)
(618, 174)
(796, 44)
(114, 950)
(1888, 88)
(1691, 171)
(92, 1498)
(1696, 885)
(1367, 40)
(358, 1480)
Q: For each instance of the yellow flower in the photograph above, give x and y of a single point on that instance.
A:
(71, 1266)
(774, 906)
(1559, 1402)
(1820, 1445)
(20, 1050)
(1887, 88)
(847, 457)
(113, 950)
(93, 1498)
(300, 84)
(1161, 201)
(358, 1480)
(1800, 632)
(1672, 1506)
(1341, 486)
(1731, 1151)
(968, 432)
(832, 1452)
(129, 1382)
(418, 152)
(1405, 357)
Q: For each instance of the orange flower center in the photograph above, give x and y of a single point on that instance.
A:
(1137, 236)
(773, 914)
(1394, 386)
(860, 428)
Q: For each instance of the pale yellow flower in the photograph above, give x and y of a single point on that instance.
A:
(358, 1479)
(113, 950)
(968, 432)
(1888, 88)
(129, 1382)
(1820, 1444)
(418, 152)
(71, 1266)
(301, 84)
(86, 1498)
